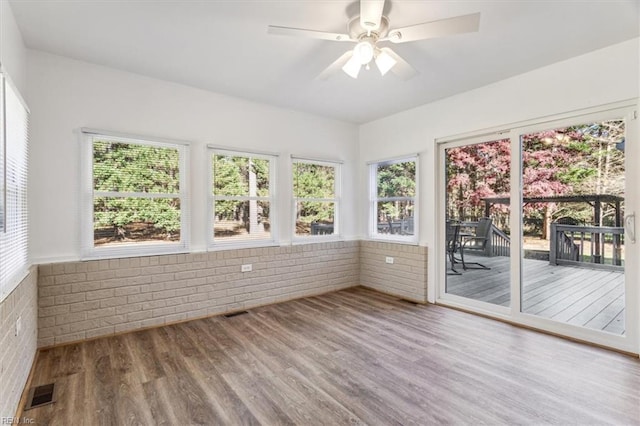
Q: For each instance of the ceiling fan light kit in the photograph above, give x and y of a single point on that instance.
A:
(384, 62)
(352, 67)
(372, 27)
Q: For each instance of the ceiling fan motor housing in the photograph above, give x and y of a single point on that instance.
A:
(357, 31)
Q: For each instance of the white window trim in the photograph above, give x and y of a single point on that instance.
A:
(14, 234)
(214, 245)
(373, 201)
(89, 250)
(337, 190)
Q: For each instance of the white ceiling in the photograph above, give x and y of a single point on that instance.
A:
(223, 46)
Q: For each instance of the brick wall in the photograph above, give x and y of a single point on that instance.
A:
(17, 352)
(406, 277)
(81, 300)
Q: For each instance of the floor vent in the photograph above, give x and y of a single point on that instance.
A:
(40, 395)
(235, 314)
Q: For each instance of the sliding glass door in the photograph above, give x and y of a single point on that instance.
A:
(573, 207)
(538, 224)
(477, 233)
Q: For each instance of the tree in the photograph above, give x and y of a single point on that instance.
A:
(240, 176)
(475, 172)
(314, 181)
(131, 168)
(582, 159)
(396, 180)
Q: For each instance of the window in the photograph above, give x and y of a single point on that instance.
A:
(315, 197)
(242, 198)
(138, 197)
(3, 188)
(393, 199)
(14, 137)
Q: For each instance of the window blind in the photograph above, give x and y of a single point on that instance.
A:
(241, 199)
(316, 198)
(14, 131)
(136, 200)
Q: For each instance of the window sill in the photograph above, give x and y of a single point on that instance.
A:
(134, 251)
(296, 241)
(242, 245)
(409, 242)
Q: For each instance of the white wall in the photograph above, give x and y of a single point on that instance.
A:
(68, 95)
(597, 78)
(21, 303)
(13, 55)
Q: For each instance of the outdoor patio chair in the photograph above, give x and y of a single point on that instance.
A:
(453, 245)
(477, 243)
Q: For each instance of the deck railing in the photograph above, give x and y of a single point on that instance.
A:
(594, 246)
(321, 228)
(499, 243)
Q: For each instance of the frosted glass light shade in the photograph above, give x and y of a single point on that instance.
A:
(363, 52)
(385, 62)
(352, 67)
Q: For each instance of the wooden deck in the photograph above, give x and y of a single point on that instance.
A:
(579, 296)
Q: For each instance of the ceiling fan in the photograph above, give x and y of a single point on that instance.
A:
(372, 27)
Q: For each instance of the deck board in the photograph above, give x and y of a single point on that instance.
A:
(579, 296)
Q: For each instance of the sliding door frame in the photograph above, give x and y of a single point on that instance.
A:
(442, 296)
(627, 110)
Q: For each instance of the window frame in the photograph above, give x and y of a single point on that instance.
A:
(212, 244)
(88, 248)
(14, 170)
(374, 200)
(3, 156)
(337, 188)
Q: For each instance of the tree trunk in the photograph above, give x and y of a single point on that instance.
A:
(546, 224)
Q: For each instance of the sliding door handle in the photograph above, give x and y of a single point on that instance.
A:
(630, 227)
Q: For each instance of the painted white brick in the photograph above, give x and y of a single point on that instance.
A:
(100, 294)
(16, 360)
(160, 289)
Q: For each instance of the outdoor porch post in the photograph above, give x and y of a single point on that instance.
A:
(597, 256)
(617, 256)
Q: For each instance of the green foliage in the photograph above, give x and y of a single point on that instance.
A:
(232, 177)
(163, 213)
(123, 167)
(397, 180)
(314, 181)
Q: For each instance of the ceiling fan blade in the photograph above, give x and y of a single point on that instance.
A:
(371, 13)
(335, 66)
(440, 28)
(299, 32)
(402, 68)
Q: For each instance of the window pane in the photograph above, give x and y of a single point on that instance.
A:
(313, 181)
(241, 220)
(397, 180)
(395, 217)
(240, 176)
(315, 218)
(125, 167)
(135, 220)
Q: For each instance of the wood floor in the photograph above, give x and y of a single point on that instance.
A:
(579, 296)
(350, 357)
